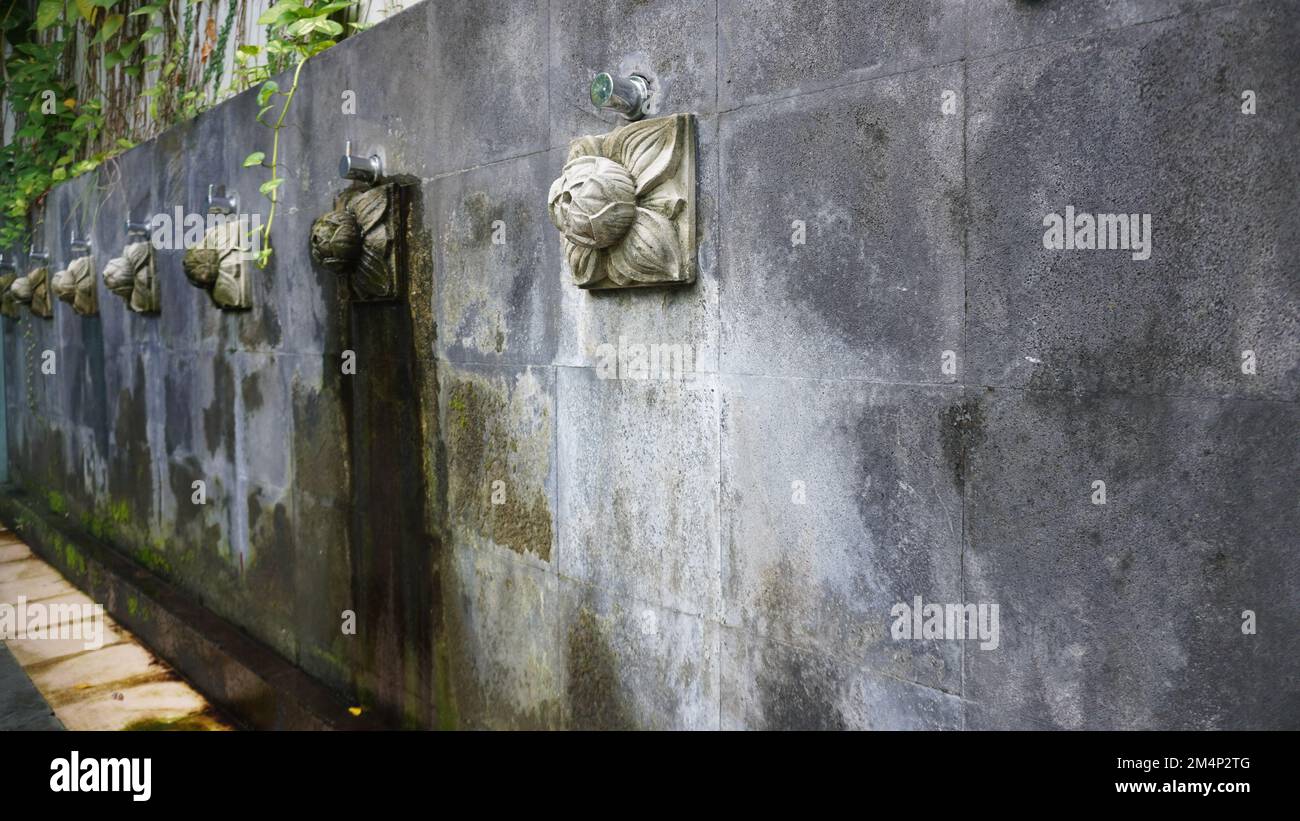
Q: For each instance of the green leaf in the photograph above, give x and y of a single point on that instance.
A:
(268, 88)
(270, 185)
(152, 8)
(330, 8)
(110, 27)
(281, 12)
(251, 51)
(47, 13)
(152, 33)
(317, 47)
(254, 159)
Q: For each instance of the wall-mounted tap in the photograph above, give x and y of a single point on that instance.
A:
(219, 203)
(365, 169)
(629, 96)
(80, 247)
(37, 256)
(136, 229)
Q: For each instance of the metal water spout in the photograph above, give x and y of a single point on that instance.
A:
(363, 169)
(629, 96)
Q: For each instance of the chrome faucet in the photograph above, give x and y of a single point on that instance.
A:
(629, 96)
(79, 246)
(219, 203)
(364, 169)
(136, 229)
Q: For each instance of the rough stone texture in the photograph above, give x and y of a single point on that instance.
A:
(497, 300)
(673, 45)
(840, 499)
(499, 433)
(1006, 25)
(1129, 614)
(777, 686)
(773, 49)
(648, 566)
(629, 664)
(876, 178)
(1157, 128)
(638, 475)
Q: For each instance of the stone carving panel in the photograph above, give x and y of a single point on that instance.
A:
(132, 276)
(219, 266)
(359, 240)
(625, 203)
(75, 285)
(33, 289)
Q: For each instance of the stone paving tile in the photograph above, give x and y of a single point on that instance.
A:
(113, 684)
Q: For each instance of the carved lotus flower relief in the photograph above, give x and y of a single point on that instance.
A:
(9, 305)
(625, 204)
(34, 290)
(75, 285)
(217, 266)
(132, 277)
(356, 241)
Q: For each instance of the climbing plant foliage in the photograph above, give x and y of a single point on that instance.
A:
(83, 80)
(295, 33)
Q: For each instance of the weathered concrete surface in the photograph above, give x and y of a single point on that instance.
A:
(772, 49)
(875, 179)
(825, 534)
(647, 564)
(1129, 614)
(1156, 128)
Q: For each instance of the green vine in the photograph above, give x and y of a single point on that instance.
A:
(84, 79)
(212, 76)
(295, 33)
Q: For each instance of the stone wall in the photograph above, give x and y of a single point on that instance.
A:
(528, 543)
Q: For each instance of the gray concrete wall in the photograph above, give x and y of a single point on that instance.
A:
(649, 565)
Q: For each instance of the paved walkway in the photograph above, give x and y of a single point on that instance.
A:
(48, 682)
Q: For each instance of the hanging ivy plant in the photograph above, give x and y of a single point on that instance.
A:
(295, 33)
(84, 78)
